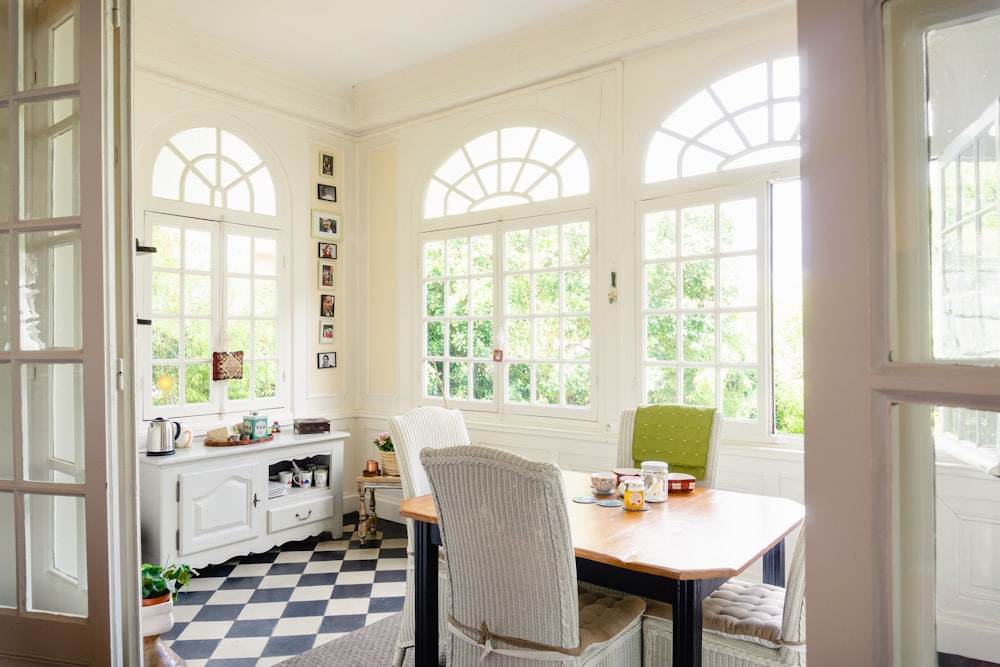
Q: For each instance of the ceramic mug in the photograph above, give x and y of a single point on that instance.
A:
(320, 476)
(303, 478)
(183, 438)
(285, 477)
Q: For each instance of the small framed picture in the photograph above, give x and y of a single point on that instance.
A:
(326, 164)
(326, 360)
(326, 192)
(326, 225)
(326, 303)
(325, 332)
(326, 250)
(327, 275)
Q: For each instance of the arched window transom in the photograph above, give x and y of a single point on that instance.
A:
(748, 118)
(213, 167)
(514, 165)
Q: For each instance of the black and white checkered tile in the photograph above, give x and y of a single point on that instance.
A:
(258, 610)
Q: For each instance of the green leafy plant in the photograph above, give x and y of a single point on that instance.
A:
(384, 442)
(157, 581)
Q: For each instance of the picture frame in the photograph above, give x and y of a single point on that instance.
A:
(327, 275)
(326, 360)
(327, 304)
(326, 332)
(326, 250)
(326, 192)
(325, 225)
(326, 164)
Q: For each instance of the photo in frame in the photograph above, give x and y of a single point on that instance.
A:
(326, 250)
(326, 192)
(326, 360)
(325, 225)
(325, 332)
(326, 164)
(326, 305)
(327, 275)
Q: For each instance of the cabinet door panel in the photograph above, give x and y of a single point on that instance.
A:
(217, 507)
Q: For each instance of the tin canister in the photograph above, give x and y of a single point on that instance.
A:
(635, 495)
(255, 425)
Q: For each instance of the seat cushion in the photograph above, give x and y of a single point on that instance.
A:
(742, 610)
(602, 617)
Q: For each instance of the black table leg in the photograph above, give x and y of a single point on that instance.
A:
(425, 585)
(774, 565)
(687, 623)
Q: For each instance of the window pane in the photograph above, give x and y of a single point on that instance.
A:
(698, 284)
(434, 299)
(49, 36)
(699, 337)
(482, 382)
(458, 380)
(661, 338)
(53, 422)
(435, 339)
(660, 231)
(196, 378)
(50, 291)
(8, 575)
(789, 385)
(518, 383)
(197, 338)
(6, 435)
(166, 385)
(433, 259)
(697, 230)
(5, 314)
(4, 137)
(738, 282)
(55, 546)
(661, 385)
(739, 393)
(699, 386)
(50, 170)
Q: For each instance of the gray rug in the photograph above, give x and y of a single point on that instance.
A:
(372, 646)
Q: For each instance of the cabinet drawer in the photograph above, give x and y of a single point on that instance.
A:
(307, 511)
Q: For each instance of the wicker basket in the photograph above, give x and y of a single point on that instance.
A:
(389, 466)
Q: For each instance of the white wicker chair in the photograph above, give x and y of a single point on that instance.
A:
(411, 432)
(627, 429)
(512, 571)
(744, 624)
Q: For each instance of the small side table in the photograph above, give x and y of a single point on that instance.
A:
(368, 518)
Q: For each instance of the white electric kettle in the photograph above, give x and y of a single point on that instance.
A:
(161, 436)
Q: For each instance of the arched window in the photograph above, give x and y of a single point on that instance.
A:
(721, 266)
(750, 117)
(209, 166)
(214, 282)
(514, 165)
(506, 306)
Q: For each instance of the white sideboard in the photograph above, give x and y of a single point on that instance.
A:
(203, 505)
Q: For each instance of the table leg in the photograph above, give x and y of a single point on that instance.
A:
(362, 521)
(372, 514)
(687, 624)
(425, 588)
(774, 565)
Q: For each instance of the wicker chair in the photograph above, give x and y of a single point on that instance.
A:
(512, 571)
(674, 436)
(411, 432)
(744, 624)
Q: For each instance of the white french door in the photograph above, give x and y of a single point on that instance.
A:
(58, 387)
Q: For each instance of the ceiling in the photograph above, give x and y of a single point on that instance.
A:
(347, 42)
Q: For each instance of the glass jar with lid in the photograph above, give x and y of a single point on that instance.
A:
(634, 497)
(654, 474)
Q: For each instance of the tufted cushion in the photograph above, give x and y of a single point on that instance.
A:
(746, 611)
(602, 617)
(677, 434)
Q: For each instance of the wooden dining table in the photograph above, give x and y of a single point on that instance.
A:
(678, 551)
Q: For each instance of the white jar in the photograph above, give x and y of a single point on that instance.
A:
(654, 473)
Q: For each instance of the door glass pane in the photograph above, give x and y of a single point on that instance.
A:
(53, 422)
(4, 52)
(963, 84)
(56, 554)
(4, 157)
(50, 162)
(50, 292)
(8, 575)
(49, 34)
(6, 441)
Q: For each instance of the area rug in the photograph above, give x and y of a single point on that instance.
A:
(372, 646)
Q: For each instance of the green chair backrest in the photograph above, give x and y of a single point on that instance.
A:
(677, 434)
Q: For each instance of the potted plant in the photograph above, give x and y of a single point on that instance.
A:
(160, 586)
(387, 453)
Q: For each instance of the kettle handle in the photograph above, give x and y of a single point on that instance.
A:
(177, 429)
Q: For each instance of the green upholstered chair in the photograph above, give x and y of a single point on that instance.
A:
(684, 436)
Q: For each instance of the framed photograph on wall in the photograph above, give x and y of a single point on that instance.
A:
(327, 275)
(326, 305)
(326, 250)
(325, 332)
(325, 225)
(326, 192)
(326, 164)
(326, 360)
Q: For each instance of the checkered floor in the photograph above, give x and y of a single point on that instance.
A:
(258, 610)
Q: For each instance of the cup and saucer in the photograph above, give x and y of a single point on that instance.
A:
(602, 483)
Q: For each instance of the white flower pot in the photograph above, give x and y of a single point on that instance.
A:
(157, 618)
